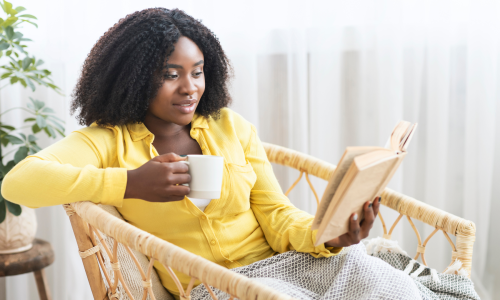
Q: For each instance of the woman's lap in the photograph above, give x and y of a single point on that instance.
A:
(352, 274)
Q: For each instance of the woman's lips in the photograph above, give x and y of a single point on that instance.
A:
(186, 109)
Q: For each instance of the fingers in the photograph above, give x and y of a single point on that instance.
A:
(179, 179)
(169, 157)
(354, 229)
(369, 219)
(358, 230)
(177, 192)
(178, 167)
(376, 206)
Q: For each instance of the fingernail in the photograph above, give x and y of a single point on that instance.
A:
(379, 199)
(355, 217)
(183, 155)
(370, 205)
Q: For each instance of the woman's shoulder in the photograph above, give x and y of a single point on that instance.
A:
(229, 120)
(233, 119)
(231, 125)
(99, 135)
(95, 131)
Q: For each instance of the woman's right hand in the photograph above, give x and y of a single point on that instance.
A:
(159, 180)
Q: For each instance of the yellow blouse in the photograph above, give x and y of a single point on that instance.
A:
(251, 221)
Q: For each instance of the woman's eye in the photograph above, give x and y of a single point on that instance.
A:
(198, 74)
(172, 76)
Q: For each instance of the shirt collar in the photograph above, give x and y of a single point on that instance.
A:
(139, 131)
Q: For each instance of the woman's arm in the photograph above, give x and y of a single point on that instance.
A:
(67, 171)
(285, 226)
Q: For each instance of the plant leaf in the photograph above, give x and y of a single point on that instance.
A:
(6, 169)
(32, 138)
(35, 128)
(5, 75)
(14, 140)
(20, 9)
(31, 84)
(50, 131)
(21, 154)
(38, 104)
(14, 209)
(4, 46)
(8, 127)
(9, 31)
(17, 35)
(23, 136)
(61, 132)
(39, 62)
(57, 125)
(29, 119)
(8, 22)
(32, 23)
(48, 110)
(27, 16)
(26, 62)
(7, 7)
(56, 118)
(41, 121)
(30, 106)
(3, 210)
(19, 48)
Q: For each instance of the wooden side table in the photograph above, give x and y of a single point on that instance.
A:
(33, 260)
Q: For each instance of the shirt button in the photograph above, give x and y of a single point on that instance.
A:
(203, 217)
(227, 262)
(212, 242)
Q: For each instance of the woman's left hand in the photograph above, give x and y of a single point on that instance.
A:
(358, 229)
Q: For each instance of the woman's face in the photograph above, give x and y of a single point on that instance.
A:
(183, 84)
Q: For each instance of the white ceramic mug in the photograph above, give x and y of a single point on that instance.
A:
(206, 176)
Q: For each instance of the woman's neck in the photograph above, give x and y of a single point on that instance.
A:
(163, 129)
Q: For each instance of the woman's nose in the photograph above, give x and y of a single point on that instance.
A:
(188, 87)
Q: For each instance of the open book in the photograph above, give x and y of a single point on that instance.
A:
(361, 175)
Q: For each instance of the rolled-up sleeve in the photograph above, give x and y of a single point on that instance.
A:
(285, 226)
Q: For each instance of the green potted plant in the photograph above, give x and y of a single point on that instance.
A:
(17, 66)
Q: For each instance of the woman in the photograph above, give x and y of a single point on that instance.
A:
(154, 87)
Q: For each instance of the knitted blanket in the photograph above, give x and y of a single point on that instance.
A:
(352, 274)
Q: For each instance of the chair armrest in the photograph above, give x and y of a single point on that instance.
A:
(463, 229)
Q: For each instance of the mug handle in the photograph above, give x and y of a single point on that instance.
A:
(186, 163)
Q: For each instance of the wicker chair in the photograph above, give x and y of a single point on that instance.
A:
(90, 223)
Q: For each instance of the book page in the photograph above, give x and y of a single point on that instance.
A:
(342, 167)
(398, 133)
(406, 140)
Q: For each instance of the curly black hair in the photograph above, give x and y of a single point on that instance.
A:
(124, 70)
